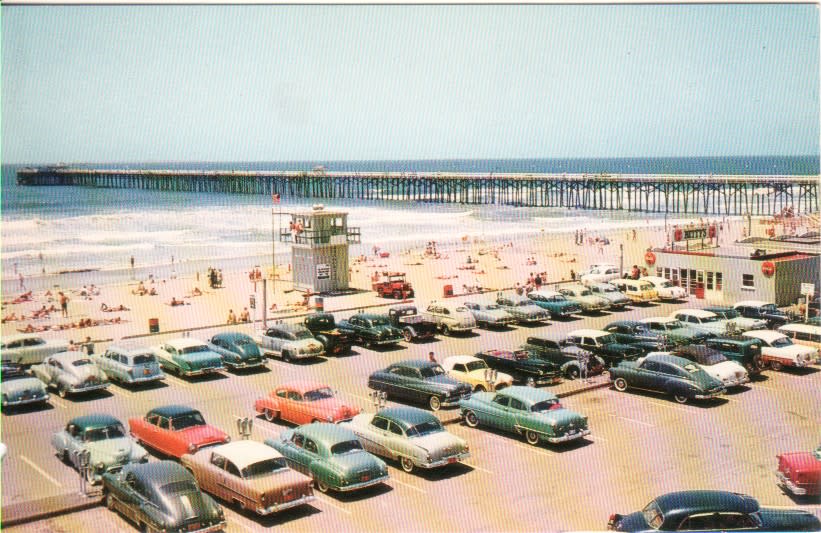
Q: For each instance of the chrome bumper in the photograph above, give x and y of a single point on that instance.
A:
(13, 403)
(287, 505)
(202, 371)
(710, 395)
(243, 364)
(450, 402)
(451, 459)
(568, 436)
(145, 379)
(789, 485)
(216, 527)
(363, 484)
(79, 388)
(736, 382)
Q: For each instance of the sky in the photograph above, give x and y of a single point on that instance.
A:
(299, 82)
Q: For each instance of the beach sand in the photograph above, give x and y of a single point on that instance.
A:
(500, 264)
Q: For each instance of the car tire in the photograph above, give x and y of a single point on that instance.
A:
(446, 331)
(286, 356)
(471, 419)
(530, 382)
(479, 388)
(572, 373)
(61, 391)
(532, 437)
(270, 415)
(321, 486)
(775, 365)
(397, 295)
(620, 384)
(406, 464)
(407, 335)
(109, 501)
(680, 398)
(63, 455)
(435, 403)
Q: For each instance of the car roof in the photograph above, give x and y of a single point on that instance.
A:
(764, 334)
(289, 327)
(326, 433)
(698, 351)
(483, 303)
(624, 323)
(245, 452)
(170, 411)
(184, 342)
(406, 416)
(658, 319)
(21, 336)
(67, 357)
(369, 316)
(700, 313)
(231, 336)
(403, 307)
(415, 363)
(667, 357)
(546, 293)
(803, 328)
(94, 420)
(159, 473)
(694, 501)
(528, 395)
(302, 385)
(129, 347)
(460, 359)
(654, 279)
(576, 286)
(720, 308)
(588, 333)
(752, 303)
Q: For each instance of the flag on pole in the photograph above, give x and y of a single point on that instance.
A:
(275, 197)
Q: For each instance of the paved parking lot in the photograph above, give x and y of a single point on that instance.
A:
(642, 445)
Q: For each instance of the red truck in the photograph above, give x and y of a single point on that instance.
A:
(393, 285)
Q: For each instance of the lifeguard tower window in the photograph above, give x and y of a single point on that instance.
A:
(747, 280)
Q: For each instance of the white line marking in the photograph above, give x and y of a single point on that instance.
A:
(326, 501)
(40, 471)
(632, 420)
(177, 381)
(477, 467)
(595, 438)
(394, 480)
(369, 400)
(672, 407)
(56, 402)
(532, 449)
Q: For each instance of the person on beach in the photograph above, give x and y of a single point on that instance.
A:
(22, 282)
(63, 304)
(89, 346)
(232, 318)
(432, 357)
(245, 316)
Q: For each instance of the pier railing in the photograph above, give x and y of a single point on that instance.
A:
(685, 194)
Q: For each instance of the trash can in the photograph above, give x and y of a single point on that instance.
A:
(319, 303)
(699, 291)
(153, 325)
(448, 290)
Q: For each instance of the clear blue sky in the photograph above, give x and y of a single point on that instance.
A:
(261, 83)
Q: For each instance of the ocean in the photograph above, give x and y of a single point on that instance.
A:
(48, 230)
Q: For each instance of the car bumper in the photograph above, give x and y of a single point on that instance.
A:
(363, 484)
(208, 529)
(546, 380)
(709, 395)
(451, 459)
(26, 401)
(382, 342)
(736, 382)
(87, 388)
(450, 402)
(245, 364)
(531, 319)
(568, 436)
(201, 371)
(788, 484)
(144, 379)
(286, 505)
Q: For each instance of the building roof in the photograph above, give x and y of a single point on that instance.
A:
(94, 420)
(245, 452)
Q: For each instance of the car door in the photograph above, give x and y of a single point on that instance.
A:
(396, 441)
(496, 412)
(646, 376)
(231, 483)
(133, 496)
(294, 451)
(375, 436)
(162, 436)
(298, 408)
(210, 475)
(517, 411)
(393, 380)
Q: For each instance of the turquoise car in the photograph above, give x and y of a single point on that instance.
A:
(129, 364)
(332, 455)
(187, 357)
(18, 388)
(534, 413)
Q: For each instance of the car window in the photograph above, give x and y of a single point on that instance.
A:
(152, 419)
(264, 467)
(319, 394)
(231, 468)
(459, 368)
(140, 359)
(114, 431)
(380, 423)
(516, 404)
(163, 423)
(501, 400)
(432, 371)
(396, 430)
(670, 370)
(297, 439)
(295, 396)
(652, 366)
(218, 460)
(348, 446)
(187, 420)
(310, 446)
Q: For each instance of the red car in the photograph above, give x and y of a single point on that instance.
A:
(800, 472)
(303, 402)
(175, 430)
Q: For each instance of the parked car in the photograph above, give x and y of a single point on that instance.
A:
(450, 317)
(638, 290)
(30, 348)
(290, 342)
(369, 329)
(185, 356)
(589, 302)
(735, 320)
(730, 373)
(70, 373)
(128, 363)
(609, 292)
(489, 315)
(331, 455)
(476, 373)
(762, 310)
(18, 388)
(639, 335)
(711, 510)
(522, 366)
(237, 350)
(419, 381)
(534, 413)
(303, 402)
(800, 472)
(104, 438)
(745, 351)
(555, 303)
(175, 430)
(704, 321)
(566, 356)
(667, 374)
(665, 288)
(334, 340)
(161, 496)
(413, 325)
(805, 334)
(249, 475)
(600, 274)
(779, 351)
(411, 436)
(675, 330)
(604, 344)
(522, 308)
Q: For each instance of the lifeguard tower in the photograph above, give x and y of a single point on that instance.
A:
(319, 249)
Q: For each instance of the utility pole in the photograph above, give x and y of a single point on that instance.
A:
(621, 259)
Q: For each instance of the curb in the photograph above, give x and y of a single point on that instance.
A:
(583, 389)
(64, 506)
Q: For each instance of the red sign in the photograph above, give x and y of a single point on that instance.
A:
(768, 268)
(650, 258)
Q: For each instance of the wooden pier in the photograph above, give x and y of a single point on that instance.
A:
(684, 194)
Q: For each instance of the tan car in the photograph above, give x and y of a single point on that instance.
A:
(250, 475)
(476, 373)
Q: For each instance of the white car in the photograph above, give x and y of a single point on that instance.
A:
(730, 373)
(665, 288)
(601, 273)
(289, 341)
(701, 320)
(30, 349)
(779, 351)
(476, 373)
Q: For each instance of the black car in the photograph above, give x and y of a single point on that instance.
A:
(712, 510)
(371, 329)
(566, 356)
(334, 339)
(764, 310)
(522, 366)
(413, 325)
(746, 351)
(640, 335)
(419, 381)
(604, 344)
(161, 496)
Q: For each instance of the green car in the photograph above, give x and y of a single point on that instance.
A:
(185, 356)
(534, 413)
(668, 374)
(332, 455)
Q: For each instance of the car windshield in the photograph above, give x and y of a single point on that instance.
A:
(606, 288)
(461, 309)
(243, 341)
(645, 287)
(673, 324)
(585, 292)
(425, 428)
(491, 307)
(432, 371)
(730, 314)
(666, 284)
(706, 319)
(781, 342)
(652, 515)
(264, 467)
(195, 349)
(82, 362)
(194, 418)
(546, 405)
(770, 308)
(348, 446)
(607, 339)
(476, 365)
(143, 358)
(114, 431)
(318, 394)
(712, 359)
(179, 487)
(302, 334)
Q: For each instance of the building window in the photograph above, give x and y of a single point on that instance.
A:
(718, 281)
(709, 280)
(747, 281)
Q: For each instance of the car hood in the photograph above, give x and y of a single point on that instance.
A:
(492, 313)
(114, 451)
(748, 323)
(788, 520)
(527, 310)
(190, 505)
(719, 327)
(81, 373)
(201, 435)
(615, 297)
(312, 345)
(792, 351)
(19, 385)
(445, 382)
(562, 417)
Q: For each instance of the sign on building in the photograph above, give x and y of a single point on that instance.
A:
(807, 289)
(323, 271)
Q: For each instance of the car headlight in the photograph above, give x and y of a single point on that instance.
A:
(553, 423)
(5, 398)
(100, 466)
